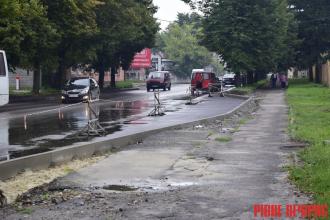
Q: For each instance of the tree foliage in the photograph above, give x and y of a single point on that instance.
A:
(75, 23)
(313, 19)
(27, 35)
(274, 34)
(180, 43)
(11, 31)
(126, 27)
(48, 34)
(251, 36)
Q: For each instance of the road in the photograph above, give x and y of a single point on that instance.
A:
(29, 128)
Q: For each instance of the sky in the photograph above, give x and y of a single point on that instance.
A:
(168, 9)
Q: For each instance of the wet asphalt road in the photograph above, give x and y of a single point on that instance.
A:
(29, 128)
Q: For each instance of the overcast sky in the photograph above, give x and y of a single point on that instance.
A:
(168, 9)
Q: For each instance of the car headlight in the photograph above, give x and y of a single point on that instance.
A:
(84, 91)
(64, 92)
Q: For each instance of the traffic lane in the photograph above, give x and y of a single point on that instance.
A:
(176, 90)
(21, 109)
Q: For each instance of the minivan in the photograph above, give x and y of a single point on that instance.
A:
(159, 80)
(202, 80)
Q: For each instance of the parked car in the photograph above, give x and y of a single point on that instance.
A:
(80, 89)
(159, 80)
(201, 80)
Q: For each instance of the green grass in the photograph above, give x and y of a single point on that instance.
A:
(28, 91)
(124, 84)
(223, 139)
(310, 122)
(249, 89)
(26, 211)
(210, 134)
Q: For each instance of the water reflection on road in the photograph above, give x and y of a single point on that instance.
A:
(43, 132)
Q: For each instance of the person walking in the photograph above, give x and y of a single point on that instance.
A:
(273, 79)
(283, 80)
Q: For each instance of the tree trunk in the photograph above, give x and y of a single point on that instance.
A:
(295, 73)
(250, 77)
(101, 76)
(60, 75)
(36, 79)
(113, 76)
(310, 74)
(318, 72)
(259, 75)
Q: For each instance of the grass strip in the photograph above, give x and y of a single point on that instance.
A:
(310, 122)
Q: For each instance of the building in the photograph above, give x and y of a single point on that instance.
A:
(160, 63)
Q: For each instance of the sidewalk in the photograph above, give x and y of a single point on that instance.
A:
(211, 171)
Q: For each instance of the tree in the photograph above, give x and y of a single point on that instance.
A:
(40, 40)
(11, 30)
(75, 23)
(27, 36)
(251, 36)
(192, 18)
(126, 27)
(180, 43)
(314, 32)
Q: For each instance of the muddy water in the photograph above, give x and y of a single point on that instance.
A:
(43, 132)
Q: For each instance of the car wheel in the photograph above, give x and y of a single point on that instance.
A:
(164, 88)
(169, 88)
(148, 89)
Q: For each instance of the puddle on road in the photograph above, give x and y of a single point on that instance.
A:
(121, 188)
(44, 132)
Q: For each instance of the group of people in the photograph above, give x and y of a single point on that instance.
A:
(279, 79)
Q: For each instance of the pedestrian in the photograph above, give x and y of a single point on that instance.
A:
(273, 79)
(283, 80)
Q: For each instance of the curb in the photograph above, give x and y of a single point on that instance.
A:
(44, 160)
(22, 99)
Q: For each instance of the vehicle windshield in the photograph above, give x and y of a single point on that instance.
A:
(78, 82)
(155, 75)
(2, 65)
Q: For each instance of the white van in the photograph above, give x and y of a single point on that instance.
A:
(4, 79)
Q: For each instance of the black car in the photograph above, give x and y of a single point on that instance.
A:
(80, 89)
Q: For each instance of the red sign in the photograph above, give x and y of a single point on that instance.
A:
(142, 59)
